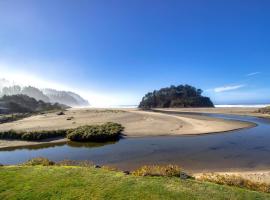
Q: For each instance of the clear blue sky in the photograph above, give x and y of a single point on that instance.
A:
(114, 51)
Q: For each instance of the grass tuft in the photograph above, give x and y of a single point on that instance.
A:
(233, 180)
(84, 163)
(32, 135)
(38, 161)
(157, 170)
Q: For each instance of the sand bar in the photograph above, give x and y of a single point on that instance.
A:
(137, 123)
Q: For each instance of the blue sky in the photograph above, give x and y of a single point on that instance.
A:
(114, 51)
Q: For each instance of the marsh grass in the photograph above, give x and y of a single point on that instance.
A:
(32, 135)
(158, 170)
(96, 133)
(38, 161)
(83, 163)
(107, 131)
(233, 180)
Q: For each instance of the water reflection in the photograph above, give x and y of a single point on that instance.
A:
(53, 145)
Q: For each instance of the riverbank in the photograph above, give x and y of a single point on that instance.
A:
(137, 123)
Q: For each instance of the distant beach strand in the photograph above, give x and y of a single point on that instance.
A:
(217, 106)
(243, 106)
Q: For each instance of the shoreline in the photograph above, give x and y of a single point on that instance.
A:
(7, 144)
(137, 123)
(241, 111)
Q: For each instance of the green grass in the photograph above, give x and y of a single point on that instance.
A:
(67, 182)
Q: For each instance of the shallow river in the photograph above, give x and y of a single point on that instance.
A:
(245, 149)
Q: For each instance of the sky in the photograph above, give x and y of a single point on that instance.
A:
(112, 52)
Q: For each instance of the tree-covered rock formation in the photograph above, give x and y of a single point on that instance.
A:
(175, 96)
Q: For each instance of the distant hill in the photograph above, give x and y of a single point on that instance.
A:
(175, 96)
(67, 98)
(46, 95)
(24, 104)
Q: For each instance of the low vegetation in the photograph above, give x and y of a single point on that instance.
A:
(32, 135)
(175, 96)
(107, 131)
(38, 161)
(157, 170)
(233, 180)
(265, 110)
(13, 117)
(102, 133)
(41, 179)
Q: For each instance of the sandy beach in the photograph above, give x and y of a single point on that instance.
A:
(245, 111)
(137, 123)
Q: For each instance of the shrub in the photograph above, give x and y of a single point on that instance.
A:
(233, 180)
(32, 135)
(39, 161)
(156, 170)
(84, 163)
(107, 131)
(10, 134)
(39, 135)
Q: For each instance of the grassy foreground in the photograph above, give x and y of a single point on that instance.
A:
(68, 182)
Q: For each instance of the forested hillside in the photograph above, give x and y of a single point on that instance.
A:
(25, 104)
